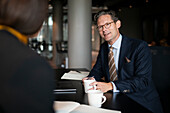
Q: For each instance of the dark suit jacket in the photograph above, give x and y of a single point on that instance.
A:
(134, 77)
(26, 79)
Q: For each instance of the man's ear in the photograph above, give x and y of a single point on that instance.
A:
(118, 24)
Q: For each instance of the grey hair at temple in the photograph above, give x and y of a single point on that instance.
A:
(105, 12)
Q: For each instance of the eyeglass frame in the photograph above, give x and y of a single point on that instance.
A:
(98, 27)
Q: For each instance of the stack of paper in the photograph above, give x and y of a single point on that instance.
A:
(75, 107)
(74, 75)
(65, 91)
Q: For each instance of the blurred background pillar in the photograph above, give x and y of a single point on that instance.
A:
(79, 33)
(57, 28)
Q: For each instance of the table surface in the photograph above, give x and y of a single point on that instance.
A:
(115, 101)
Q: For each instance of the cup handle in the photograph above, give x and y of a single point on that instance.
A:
(104, 99)
(94, 86)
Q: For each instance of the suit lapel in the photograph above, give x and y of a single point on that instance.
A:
(106, 51)
(123, 52)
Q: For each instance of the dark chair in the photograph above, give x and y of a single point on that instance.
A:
(161, 74)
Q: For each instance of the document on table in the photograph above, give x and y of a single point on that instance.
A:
(74, 75)
(75, 107)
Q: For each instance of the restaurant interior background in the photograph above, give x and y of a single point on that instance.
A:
(143, 19)
(148, 20)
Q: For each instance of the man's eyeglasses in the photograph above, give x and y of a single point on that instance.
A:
(106, 25)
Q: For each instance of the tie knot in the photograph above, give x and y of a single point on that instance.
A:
(111, 48)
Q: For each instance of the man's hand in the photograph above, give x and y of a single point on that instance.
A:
(103, 86)
(87, 78)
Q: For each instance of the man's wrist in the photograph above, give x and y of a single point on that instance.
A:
(114, 87)
(110, 86)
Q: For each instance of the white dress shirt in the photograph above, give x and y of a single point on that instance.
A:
(116, 51)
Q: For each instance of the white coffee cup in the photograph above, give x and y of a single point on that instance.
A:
(96, 98)
(87, 85)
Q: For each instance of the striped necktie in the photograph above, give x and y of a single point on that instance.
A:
(112, 67)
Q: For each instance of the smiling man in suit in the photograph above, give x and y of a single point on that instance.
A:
(132, 62)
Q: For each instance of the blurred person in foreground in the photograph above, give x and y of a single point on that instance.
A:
(26, 79)
(133, 64)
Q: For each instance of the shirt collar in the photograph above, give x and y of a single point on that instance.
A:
(20, 36)
(117, 44)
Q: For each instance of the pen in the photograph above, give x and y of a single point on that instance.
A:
(78, 71)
